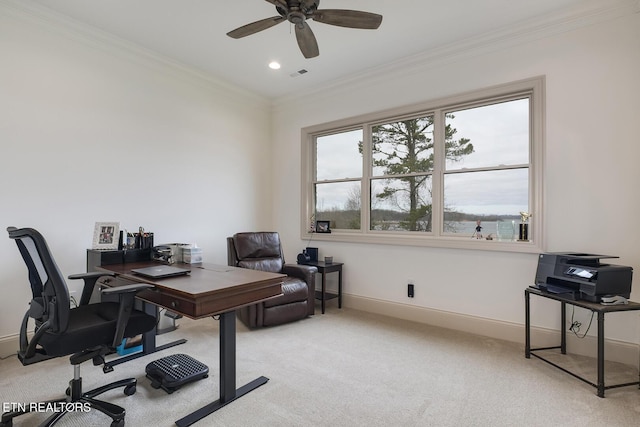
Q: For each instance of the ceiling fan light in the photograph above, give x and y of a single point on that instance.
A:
(274, 65)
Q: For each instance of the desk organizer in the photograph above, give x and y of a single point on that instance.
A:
(191, 255)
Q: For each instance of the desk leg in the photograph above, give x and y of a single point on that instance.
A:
(563, 328)
(324, 289)
(228, 392)
(527, 326)
(340, 288)
(227, 356)
(600, 354)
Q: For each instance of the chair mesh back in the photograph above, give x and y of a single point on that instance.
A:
(37, 273)
(47, 283)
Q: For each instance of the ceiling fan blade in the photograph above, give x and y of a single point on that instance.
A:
(348, 18)
(306, 40)
(254, 27)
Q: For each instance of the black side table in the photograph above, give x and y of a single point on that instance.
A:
(324, 269)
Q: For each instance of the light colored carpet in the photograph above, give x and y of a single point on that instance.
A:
(349, 368)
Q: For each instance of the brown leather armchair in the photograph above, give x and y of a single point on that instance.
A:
(262, 251)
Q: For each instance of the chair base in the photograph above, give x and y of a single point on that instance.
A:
(76, 400)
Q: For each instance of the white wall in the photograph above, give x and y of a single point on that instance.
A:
(89, 132)
(591, 173)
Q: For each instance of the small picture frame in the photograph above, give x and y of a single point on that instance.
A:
(323, 227)
(106, 235)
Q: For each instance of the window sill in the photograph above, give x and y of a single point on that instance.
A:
(425, 241)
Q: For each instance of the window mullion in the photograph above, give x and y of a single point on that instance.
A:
(437, 190)
(488, 168)
(367, 172)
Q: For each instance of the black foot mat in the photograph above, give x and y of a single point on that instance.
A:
(172, 372)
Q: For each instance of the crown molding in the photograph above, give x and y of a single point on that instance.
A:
(107, 42)
(588, 13)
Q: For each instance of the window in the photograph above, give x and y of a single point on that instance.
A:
(402, 169)
(457, 172)
(338, 179)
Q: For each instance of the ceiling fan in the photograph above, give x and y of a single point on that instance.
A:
(297, 12)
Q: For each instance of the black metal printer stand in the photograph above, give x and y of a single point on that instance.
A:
(598, 308)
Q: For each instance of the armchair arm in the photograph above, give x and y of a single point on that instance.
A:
(304, 272)
(90, 280)
(127, 295)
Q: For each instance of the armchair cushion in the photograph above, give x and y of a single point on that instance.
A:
(272, 265)
(257, 245)
(259, 251)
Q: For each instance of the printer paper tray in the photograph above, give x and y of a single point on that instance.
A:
(560, 290)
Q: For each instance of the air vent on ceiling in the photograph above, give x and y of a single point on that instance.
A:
(298, 73)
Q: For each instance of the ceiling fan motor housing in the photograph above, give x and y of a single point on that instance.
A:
(298, 11)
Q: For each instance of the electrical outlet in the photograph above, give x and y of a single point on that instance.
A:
(410, 290)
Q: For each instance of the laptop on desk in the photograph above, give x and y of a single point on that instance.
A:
(160, 271)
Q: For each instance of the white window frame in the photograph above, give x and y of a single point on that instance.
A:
(534, 88)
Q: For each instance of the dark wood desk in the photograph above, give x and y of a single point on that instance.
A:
(324, 269)
(598, 308)
(207, 291)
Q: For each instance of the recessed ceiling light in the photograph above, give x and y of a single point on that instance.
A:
(274, 65)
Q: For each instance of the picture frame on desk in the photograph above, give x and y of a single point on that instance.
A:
(106, 236)
(323, 226)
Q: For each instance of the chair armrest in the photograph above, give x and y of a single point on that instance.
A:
(308, 274)
(127, 295)
(90, 280)
(304, 272)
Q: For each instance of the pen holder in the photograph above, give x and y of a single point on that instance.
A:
(143, 241)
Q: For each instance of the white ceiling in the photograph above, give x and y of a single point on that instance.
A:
(193, 33)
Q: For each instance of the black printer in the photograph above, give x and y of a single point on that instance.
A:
(582, 276)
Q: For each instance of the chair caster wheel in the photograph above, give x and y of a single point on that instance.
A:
(117, 423)
(129, 391)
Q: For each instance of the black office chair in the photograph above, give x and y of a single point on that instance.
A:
(89, 331)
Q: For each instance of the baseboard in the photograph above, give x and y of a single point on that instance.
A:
(8, 346)
(615, 351)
